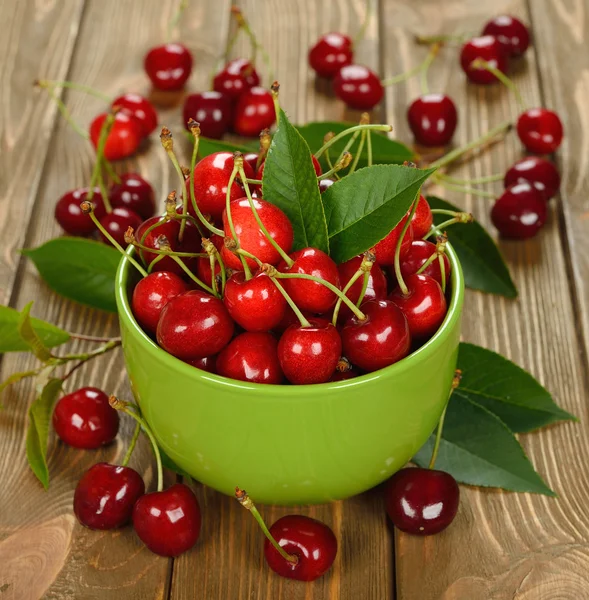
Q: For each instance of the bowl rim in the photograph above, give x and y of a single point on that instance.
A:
(410, 361)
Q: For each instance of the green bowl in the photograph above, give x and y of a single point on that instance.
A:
(291, 444)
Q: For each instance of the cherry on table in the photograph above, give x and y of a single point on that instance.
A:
(432, 119)
(538, 171)
(123, 139)
(418, 255)
(331, 52)
(511, 33)
(490, 50)
(520, 212)
(211, 110)
(254, 112)
(375, 290)
(540, 130)
(358, 86)
(69, 215)
(141, 109)
(117, 222)
(385, 250)
(135, 193)
(168, 66)
(238, 76)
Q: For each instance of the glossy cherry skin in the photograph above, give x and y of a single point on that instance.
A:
(358, 87)
(386, 248)
(422, 219)
(309, 354)
(135, 193)
(211, 110)
(208, 363)
(324, 184)
(255, 304)
(511, 33)
(251, 356)
(424, 306)
(238, 76)
(168, 522)
(168, 66)
(422, 501)
(251, 158)
(289, 318)
(432, 119)
(331, 52)
(541, 173)
(123, 139)
(141, 108)
(520, 212)
(540, 130)
(106, 494)
(69, 215)
(311, 541)
(489, 49)
(380, 340)
(250, 236)
(151, 294)
(418, 255)
(85, 419)
(375, 290)
(254, 111)
(117, 222)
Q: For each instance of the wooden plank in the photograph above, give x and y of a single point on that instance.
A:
(506, 546)
(229, 563)
(44, 552)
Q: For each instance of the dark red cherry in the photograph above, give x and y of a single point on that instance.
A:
(168, 522)
(541, 173)
(203, 264)
(238, 76)
(85, 419)
(117, 222)
(432, 119)
(520, 212)
(251, 356)
(123, 139)
(386, 248)
(106, 494)
(311, 541)
(309, 354)
(254, 111)
(418, 255)
(251, 158)
(208, 363)
(358, 87)
(255, 304)
(69, 215)
(490, 50)
(135, 193)
(422, 501)
(380, 340)
(194, 325)
(331, 52)
(422, 219)
(141, 109)
(168, 66)
(375, 290)
(344, 375)
(212, 111)
(511, 33)
(150, 296)
(540, 130)
(324, 184)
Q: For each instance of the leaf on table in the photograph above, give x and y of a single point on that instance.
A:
(29, 335)
(290, 182)
(15, 378)
(362, 208)
(79, 269)
(483, 266)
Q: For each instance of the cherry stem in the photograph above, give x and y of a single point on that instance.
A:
(176, 19)
(350, 130)
(363, 269)
(464, 189)
(398, 274)
(110, 170)
(274, 89)
(369, 148)
(237, 164)
(300, 316)
(91, 338)
(265, 142)
(358, 152)
(364, 26)
(428, 40)
(84, 358)
(342, 163)
(65, 113)
(444, 211)
(254, 181)
(480, 63)
(242, 23)
(168, 144)
(154, 262)
(140, 246)
(455, 384)
(97, 171)
(476, 180)
(420, 69)
(132, 444)
(248, 504)
(442, 272)
(330, 164)
(431, 55)
(214, 255)
(461, 217)
(190, 274)
(440, 249)
(72, 85)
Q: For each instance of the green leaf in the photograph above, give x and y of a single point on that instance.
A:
(208, 146)
(38, 430)
(477, 448)
(79, 269)
(15, 378)
(290, 183)
(483, 266)
(506, 390)
(29, 335)
(362, 208)
(169, 464)
(10, 340)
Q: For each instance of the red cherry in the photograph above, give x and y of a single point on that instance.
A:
(375, 290)
(432, 119)
(511, 33)
(541, 173)
(254, 111)
(311, 541)
(380, 340)
(251, 356)
(309, 354)
(422, 501)
(251, 158)
(358, 87)
(331, 52)
(69, 215)
(520, 212)
(212, 111)
(422, 219)
(135, 193)
(203, 264)
(324, 184)
(141, 109)
(256, 304)
(168, 522)
(105, 496)
(250, 236)
(208, 363)
(290, 318)
(85, 419)
(150, 296)
(418, 255)
(238, 76)
(117, 222)
(540, 130)
(385, 250)
(123, 139)
(168, 66)
(424, 306)
(490, 50)
(194, 325)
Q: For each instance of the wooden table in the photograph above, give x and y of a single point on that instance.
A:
(502, 546)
